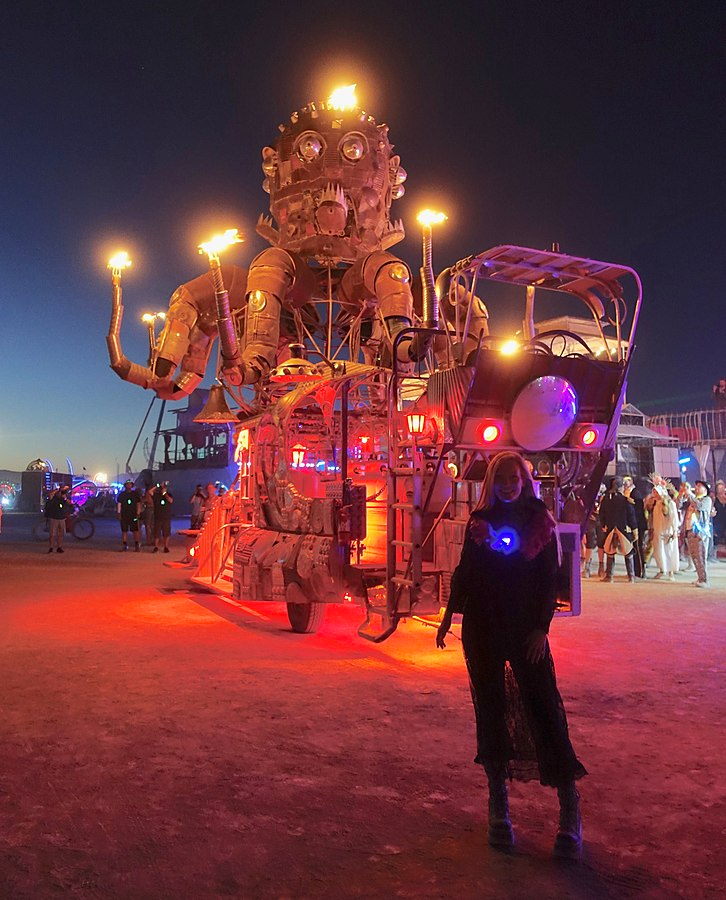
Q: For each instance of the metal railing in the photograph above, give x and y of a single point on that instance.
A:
(697, 426)
(212, 552)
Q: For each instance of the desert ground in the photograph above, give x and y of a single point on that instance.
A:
(157, 741)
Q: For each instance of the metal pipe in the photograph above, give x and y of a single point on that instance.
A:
(430, 308)
(155, 441)
(344, 430)
(228, 343)
(138, 435)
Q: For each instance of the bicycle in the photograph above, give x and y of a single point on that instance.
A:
(81, 527)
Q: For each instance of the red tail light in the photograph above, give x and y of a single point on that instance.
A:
(588, 436)
(489, 431)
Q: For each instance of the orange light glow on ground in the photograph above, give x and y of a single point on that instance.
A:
(163, 741)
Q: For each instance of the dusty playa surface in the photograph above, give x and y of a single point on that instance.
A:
(157, 742)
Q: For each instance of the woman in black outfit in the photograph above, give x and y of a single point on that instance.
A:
(505, 587)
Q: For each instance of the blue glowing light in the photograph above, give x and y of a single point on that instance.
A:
(504, 540)
(684, 460)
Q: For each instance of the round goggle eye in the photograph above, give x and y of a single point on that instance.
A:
(310, 147)
(352, 149)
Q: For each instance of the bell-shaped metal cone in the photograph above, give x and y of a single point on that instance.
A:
(216, 409)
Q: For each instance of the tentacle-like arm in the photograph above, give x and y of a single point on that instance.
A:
(121, 364)
(187, 337)
(276, 277)
(387, 279)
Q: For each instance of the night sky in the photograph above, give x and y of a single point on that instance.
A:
(139, 126)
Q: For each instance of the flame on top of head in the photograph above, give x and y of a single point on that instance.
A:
(429, 217)
(120, 261)
(343, 98)
(220, 242)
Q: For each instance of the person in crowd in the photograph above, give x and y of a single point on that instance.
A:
(664, 523)
(698, 525)
(58, 507)
(592, 538)
(719, 394)
(163, 501)
(211, 501)
(505, 587)
(196, 501)
(681, 500)
(147, 514)
(128, 509)
(719, 518)
(632, 493)
(619, 527)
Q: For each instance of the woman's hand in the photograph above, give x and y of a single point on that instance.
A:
(535, 645)
(441, 633)
(479, 531)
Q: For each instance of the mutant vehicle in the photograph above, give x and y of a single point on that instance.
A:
(366, 403)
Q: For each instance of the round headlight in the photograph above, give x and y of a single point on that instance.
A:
(544, 412)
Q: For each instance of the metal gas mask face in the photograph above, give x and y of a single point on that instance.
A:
(332, 177)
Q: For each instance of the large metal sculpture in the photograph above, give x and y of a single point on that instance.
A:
(332, 177)
(365, 424)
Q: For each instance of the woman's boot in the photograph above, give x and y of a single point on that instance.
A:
(500, 825)
(568, 843)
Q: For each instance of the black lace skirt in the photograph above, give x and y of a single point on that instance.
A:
(521, 722)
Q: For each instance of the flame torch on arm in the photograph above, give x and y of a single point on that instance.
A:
(228, 342)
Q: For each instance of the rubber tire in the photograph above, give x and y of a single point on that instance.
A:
(305, 618)
(83, 529)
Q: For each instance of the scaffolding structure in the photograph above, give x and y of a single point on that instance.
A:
(702, 430)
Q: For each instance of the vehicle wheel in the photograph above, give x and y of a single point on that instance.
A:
(83, 529)
(40, 530)
(305, 618)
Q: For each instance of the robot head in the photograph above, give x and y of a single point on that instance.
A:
(332, 177)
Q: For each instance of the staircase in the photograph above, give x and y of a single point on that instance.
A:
(215, 550)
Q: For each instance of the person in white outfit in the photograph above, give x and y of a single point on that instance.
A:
(664, 524)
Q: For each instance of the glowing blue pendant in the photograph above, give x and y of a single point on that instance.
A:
(504, 540)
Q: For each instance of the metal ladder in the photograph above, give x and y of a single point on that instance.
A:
(404, 562)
